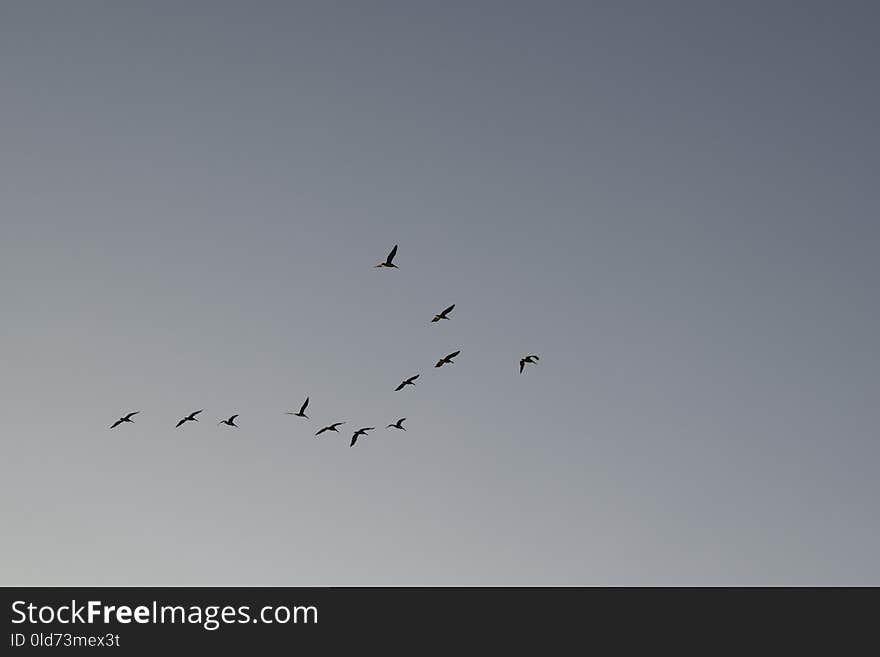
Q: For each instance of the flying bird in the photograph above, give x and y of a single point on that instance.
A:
(444, 314)
(407, 382)
(447, 359)
(388, 261)
(230, 422)
(527, 359)
(332, 427)
(189, 418)
(359, 432)
(124, 418)
(397, 425)
(302, 410)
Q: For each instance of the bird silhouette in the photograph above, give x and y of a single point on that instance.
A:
(528, 359)
(397, 425)
(359, 432)
(230, 421)
(407, 382)
(189, 418)
(302, 410)
(332, 427)
(447, 359)
(444, 314)
(124, 418)
(388, 261)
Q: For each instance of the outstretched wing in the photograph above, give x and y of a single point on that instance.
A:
(453, 354)
(129, 416)
(320, 431)
(354, 439)
(391, 255)
(413, 378)
(232, 419)
(179, 423)
(400, 387)
(195, 413)
(305, 404)
(116, 424)
(522, 364)
(447, 311)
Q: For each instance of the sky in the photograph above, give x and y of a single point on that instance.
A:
(674, 204)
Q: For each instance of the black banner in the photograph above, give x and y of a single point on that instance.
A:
(133, 620)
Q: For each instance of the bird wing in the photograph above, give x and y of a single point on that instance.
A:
(413, 378)
(522, 364)
(400, 387)
(337, 424)
(305, 403)
(354, 439)
(447, 311)
(128, 417)
(454, 354)
(195, 413)
(179, 423)
(535, 357)
(232, 419)
(320, 431)
(391, 255)
(116, 424)
(440, 362)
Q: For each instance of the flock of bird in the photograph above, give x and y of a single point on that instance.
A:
(530, 359)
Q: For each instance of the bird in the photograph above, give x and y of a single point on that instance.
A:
(444, 314)
(388, 261)
(359, 432)
(302, 410)
(189, 418)
(230, 421)
(527, 359)
(124, 418)
(332, 427)
(447, 359)
(407, 382)
(397, 425)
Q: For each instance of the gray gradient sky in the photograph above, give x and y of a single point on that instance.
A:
(674, 203)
